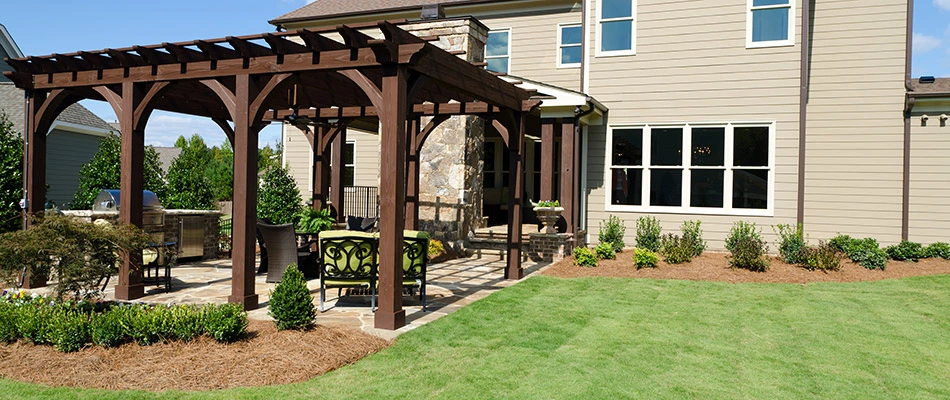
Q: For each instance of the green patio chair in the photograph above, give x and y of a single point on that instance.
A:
(415, 260)
(347, 260)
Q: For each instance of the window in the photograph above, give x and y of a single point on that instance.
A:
(498, 50)
(616, 28)
(725, 168)
(349, 163)
(569, 46)
(769, 23)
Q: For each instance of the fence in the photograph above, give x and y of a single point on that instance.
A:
(361, 201)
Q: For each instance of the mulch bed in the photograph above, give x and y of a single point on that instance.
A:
(264, 357)
(711, 266)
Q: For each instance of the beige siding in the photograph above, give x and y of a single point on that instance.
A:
(366, 147)
(297, 156)
(930, 178)
(855, 124)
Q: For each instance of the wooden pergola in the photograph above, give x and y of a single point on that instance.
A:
(376, 70)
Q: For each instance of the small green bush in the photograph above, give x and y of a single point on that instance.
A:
(313, 221)
(605, 251)
(739, 231)
(8, 315)
(905, 250)
(225, 322)
(436, 248)
(144, 325)
(33, 322)
(747, 247)
(840, 243)
(185, 323)
(867, 253)
(109, 329)
(675, 250)
(821, 258)
(791, 243)
(613, 233)
(938, 250)
(291, 303)
(70, 331)
(584, 257)
(645, 258)
(648, 233)
(693, 236)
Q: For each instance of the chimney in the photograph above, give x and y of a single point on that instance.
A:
(432, 11)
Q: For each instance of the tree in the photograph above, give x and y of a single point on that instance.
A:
(268, 157)
(220, 172)
(104, 171)
(278, 198)
(11, 175)
(188, 185)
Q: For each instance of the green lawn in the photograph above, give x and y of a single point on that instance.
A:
(604, 338)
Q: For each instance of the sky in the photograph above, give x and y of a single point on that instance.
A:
(67, 26)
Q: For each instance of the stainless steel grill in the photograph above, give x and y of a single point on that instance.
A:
(153, 214)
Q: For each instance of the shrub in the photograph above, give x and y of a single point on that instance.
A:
(33, 322)
(103, 172)
(747, 247)
(822, 258)
(69, 331)
(278, 199)
(605, 251)
(906, 250)
(549, 203)
(185, 323)
(791, 243)
(648, 233)
(8, 315)
(143, 327)
(110, 328)
(188, 183)
(675, 250)
(584, 257)
(693, 236)
(739, 231)
(225, 322)
(645, 258)
(867, 253)
(840, 243)
(436, 248)
(11, 175)
(613, 233)
(291, 303)
(313, 221)
(938, 249)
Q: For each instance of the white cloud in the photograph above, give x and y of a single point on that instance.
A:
(944, 4)
(164, 128)
(924, 43)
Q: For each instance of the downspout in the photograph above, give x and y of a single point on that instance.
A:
(585, 49)
(909, 105)
(803, 107)
(582, 196)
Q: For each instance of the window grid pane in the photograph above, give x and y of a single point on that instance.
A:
(627, 186)
(770, 24)
(666, 187)
(570, 35)
(616, 9)
(616, 35)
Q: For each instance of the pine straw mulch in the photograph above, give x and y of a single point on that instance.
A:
(712, 266)
(265, 356)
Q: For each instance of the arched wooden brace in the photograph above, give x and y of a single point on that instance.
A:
(132, 106)
(391, 105)
(513, 133)
(246, 107)
(41, 110)
(416, 139)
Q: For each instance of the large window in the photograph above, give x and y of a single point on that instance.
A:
(498, 50)
(569, 46)
(706, 169)
(769, 23)
(349, 163)
(616, 33)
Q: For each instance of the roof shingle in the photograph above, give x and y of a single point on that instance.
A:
(940, 85)
(330, 8)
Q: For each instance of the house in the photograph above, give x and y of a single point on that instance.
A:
(772, 112)
(71, 142)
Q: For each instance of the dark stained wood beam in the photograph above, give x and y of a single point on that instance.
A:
(283, 46)
(126, 59)
(214, 52)
(249, 49)
(98, 61)
(153, 56)
(183, 54)
(317, 42)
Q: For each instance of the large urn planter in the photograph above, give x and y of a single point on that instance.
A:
(549, 217)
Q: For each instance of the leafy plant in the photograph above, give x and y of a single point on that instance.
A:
(69, 331)
(693, 236)
(291, 303)
(436, 248)
(906, 250)
(645, 258)
(104, 169)
(938, 249)
(278, 199)
(220, 171)
(747, 247)
(840, 243)
(741, 230)
(11, 175)
(675, 250)
(225, 322)
(867, 253)
(648, 233)
(605, 251)
(188, 183)
(185, 323)
(613, 233)
(8, 316)
(110, 328)
(791, 243)
(549, 203)
(313, 221)
(821, 258)
(584, 257)
(33, 322)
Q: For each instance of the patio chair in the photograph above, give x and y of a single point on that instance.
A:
(415, 260)
(347, 260)
(360, 224)
(282, 250)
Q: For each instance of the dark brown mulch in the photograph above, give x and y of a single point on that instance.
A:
(715, 267)
(265, 357)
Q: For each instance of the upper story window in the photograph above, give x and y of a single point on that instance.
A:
(569, 46)
(616, 33)
(702, 169)
(498, 50)
(349, 163)
(769, 23)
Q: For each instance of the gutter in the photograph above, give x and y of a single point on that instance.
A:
(585, 49)
(803, 107)
(908, 106)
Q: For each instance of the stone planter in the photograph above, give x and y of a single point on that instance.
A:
(549, 216)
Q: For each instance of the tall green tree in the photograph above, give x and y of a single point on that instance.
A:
(268, 157)
(104, 171)
(188, 185)
(278, 198)
(11, 175)
(220, 172)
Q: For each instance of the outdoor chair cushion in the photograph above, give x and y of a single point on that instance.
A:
(354, 223)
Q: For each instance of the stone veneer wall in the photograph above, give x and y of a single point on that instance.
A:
(451, 158)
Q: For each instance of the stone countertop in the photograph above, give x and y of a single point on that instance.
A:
(89, 213)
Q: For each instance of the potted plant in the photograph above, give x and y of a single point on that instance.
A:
(548, 211)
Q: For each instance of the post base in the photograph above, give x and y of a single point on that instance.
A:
(250, 302)
(129, 292)
(390, 321)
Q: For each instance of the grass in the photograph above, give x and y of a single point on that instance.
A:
(622, 338)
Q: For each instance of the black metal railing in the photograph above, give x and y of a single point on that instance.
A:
(361, 201)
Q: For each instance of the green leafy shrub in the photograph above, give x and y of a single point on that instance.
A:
(675, 250)
(313, 221)
(605, 251)
(938, 250)
(278, 199)
(11, 175)
(840, 243)
(821, 258)
(645, 258)
(693, 236)
(8, 316)
(867, 253)
(225, 322)
(220, 171)
(188, 183)
(185, 323)
(549, 203)
(648, 233)
(291, 303)
(436, 248)
(104, 169)
(791, 243)
(144, 328)
(34, 322)
(613, 233)
(110, 328)
(906, 250)
(584, 257)
(70, 331)
(741, 230)
(747, 247)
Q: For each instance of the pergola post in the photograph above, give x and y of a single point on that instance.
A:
(245, 198)
(412, 176)
(337, 173)
(570, 179)
(547, 159)
(321, 168)
(131, 184)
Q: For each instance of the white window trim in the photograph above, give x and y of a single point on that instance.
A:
(508, 56)
(633, 33)
(561, 46)
(749, 44)
(727, 208)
